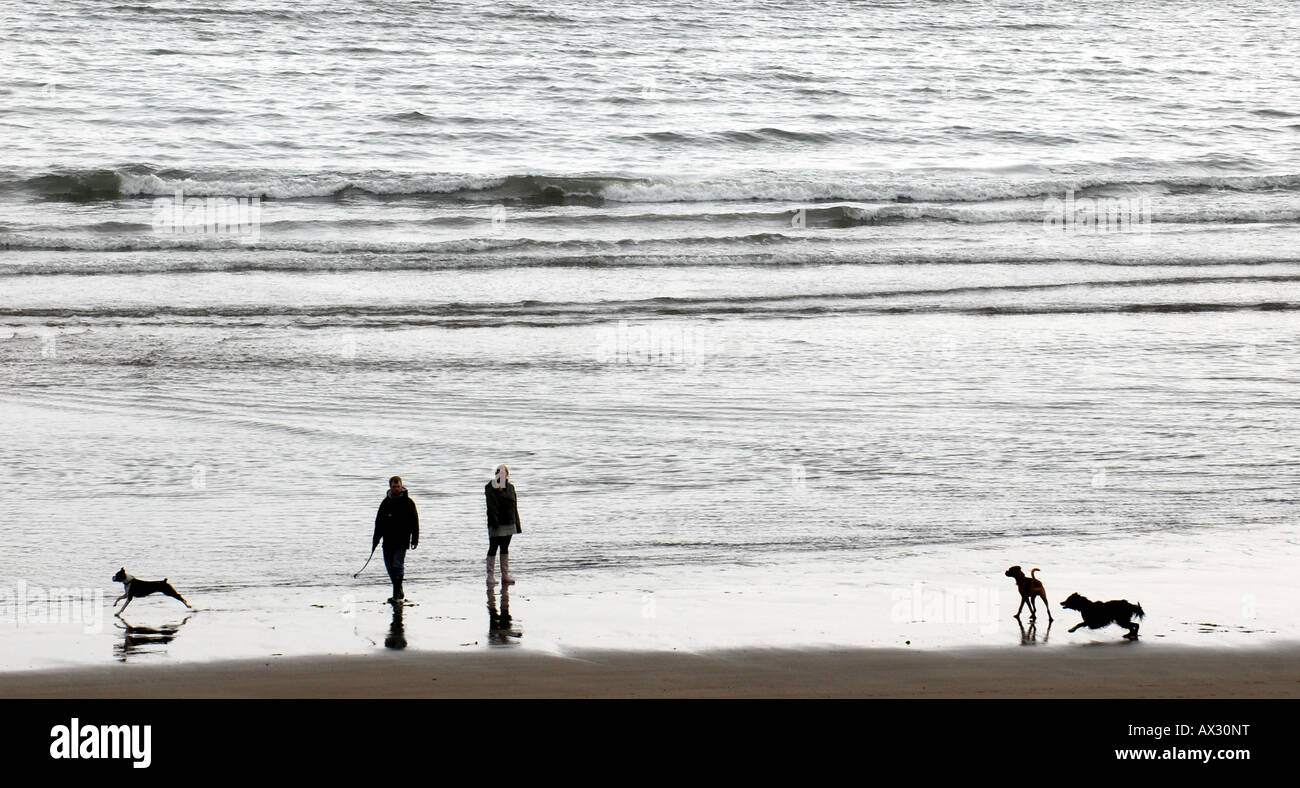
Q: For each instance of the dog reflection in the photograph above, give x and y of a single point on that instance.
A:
(143, 640)
(501, 627)
(1029, 635)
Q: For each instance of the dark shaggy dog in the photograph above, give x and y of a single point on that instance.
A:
(1029, 587)
(133, 587)
(1098, 614)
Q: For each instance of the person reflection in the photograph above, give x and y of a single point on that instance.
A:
(501, 626)
(396, 630)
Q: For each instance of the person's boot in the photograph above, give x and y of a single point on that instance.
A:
(506, 579)
(491, 578)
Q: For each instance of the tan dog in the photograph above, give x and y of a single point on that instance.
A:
(1029, 587)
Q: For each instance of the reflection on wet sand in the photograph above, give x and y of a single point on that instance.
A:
(1029, 637)
(139, 640)
(501, 627)
(396, 638)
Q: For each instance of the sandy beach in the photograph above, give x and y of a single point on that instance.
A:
(1119, 671)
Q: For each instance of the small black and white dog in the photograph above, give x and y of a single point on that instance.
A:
(1098, 614)
(133, 587)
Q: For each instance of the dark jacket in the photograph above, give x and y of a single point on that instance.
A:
(502, 506)
(397, 520)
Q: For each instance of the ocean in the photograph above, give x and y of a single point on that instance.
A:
(778, 313)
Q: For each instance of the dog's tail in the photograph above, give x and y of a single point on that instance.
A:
(1034, 574)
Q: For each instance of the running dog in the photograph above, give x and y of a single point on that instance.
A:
(1029, 588)
(133, 587)
(1098, 614)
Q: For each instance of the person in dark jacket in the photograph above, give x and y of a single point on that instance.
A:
(502, 522)
(398, 524)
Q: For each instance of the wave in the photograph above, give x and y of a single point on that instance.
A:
(1019, 211)
(768, 233)
(940, 299)
(757, 136)
(737, 231)
(138, 181)
(663, 302)
(257, 260)
(926, 189)
(232, 241)
(465, 246)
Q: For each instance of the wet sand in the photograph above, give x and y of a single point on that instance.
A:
(1121, 670)
(945, 601)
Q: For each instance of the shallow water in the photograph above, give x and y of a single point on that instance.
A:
(1193, 594)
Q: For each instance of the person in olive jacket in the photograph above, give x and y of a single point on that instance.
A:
(502, 522)
(398, 524)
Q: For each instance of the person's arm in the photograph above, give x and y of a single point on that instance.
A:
(374, 542)
(415, 526)
(519, 526)
(491, 506)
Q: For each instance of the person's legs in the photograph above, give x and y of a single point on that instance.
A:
(399, 560)
(493, 544)
(395, 563)
(506, 579)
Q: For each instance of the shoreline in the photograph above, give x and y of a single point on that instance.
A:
(943, 600)
(1123, 670)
